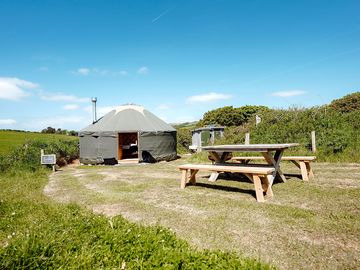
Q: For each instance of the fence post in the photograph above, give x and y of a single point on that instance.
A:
(313, 141)
(247, 138)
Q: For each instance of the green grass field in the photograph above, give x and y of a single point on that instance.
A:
(38, 233)
(307, 225)
(12, 139)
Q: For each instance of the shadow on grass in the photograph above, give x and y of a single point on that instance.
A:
(225, 188)
(293, 175)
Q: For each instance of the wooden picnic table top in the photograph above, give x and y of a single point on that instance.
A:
(249, 147)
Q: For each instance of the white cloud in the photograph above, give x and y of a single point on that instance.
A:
(7, 121)
(143, 70)
(289, 93)
(13, 88)
(209, 97)
(70, 107)
(83, 71)
(62, 97)
(163, 107)
(99, 71)
(55, 121)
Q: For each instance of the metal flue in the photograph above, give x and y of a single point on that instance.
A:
(93, 100)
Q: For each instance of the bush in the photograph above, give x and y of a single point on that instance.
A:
(337, 133)
(347, 103)
(184, 140)
(229, 116)
(27, 157)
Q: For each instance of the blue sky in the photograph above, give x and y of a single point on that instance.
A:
(178, 59)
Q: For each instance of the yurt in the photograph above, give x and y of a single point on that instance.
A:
(129, 132)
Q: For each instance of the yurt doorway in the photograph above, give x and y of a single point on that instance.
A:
(128, 146)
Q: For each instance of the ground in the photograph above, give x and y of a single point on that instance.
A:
(312, 225)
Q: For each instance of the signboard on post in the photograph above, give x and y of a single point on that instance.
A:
(48, 159)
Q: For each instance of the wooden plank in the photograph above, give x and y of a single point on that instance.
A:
(258, 189)
(248, 158)
(258, 169)
(304, 173)
(249, 148)
(288, 158)
(298, 158)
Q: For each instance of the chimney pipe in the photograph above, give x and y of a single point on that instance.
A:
(93, 100)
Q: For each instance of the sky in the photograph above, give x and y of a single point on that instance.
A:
(178, 59)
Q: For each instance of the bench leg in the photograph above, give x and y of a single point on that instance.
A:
(213, 176)
(258, 189)
(309, 170)
(269, 180)
(193, 176)
(183, 178)
(304, 172)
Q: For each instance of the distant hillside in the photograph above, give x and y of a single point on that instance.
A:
(190, 125)
(12, 139)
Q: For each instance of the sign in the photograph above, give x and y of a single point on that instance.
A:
(48, 159)
(257, 119)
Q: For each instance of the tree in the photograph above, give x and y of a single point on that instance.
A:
(49, 130)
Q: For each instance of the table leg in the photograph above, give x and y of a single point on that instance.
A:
(217, 159)
(275, 161)
(213, 177)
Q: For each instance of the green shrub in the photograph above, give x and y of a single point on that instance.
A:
(337, 133)
(347, 103)
(229, 116)
(184, 140)
(27, 157)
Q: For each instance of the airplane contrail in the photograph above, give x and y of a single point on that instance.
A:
(162, 14)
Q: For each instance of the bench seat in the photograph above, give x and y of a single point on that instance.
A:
(302, 162)
(260, 175)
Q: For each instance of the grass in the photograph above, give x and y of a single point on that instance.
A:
(306, 225)
(9, 140)
(38, 233)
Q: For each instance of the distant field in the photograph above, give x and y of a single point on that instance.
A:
(11, 139)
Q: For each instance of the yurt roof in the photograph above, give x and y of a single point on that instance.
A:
(128, 118)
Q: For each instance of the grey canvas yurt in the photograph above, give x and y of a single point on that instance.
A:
(127, 132)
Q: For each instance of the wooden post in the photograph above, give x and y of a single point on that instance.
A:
(247, 138)
(313, 141)
(42, 152)
(212, 137)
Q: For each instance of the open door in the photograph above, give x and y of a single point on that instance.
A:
(128, 146)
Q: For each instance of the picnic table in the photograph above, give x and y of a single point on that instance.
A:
(272, 154)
